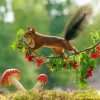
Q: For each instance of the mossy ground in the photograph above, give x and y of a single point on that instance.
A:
(52, 95)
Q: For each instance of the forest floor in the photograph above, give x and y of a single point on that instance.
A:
(52, 95)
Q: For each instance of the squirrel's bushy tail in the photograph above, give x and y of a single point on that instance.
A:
(78, 23)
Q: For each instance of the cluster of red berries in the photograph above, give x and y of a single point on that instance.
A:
(89, 74)
(39, 61)
(29, 57)
(75, 64)
(96, 54)
(21, 41)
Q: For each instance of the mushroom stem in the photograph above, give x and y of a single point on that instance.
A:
(17, 84)
(38, 85)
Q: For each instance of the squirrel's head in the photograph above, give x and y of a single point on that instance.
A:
(30, 32)
(29, 36)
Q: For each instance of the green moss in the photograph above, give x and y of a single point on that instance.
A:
(52, 95)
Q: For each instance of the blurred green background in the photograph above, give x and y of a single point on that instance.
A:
(49, 17)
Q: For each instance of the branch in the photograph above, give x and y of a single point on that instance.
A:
(85, 50)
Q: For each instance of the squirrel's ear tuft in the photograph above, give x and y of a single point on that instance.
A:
(33, 29)
(29, 28)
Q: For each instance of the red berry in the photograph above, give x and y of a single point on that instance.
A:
(98, 53)
(75, 65)
(31, 58)
(89, 74)
(44, 63)
(64, 66)
(40, 61)
(38, 64)
(98, 47)
(80, 79)
(94, 55)
(26, 54)
(91, 68)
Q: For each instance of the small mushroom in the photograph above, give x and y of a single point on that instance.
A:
(41, 80)
(11, 77)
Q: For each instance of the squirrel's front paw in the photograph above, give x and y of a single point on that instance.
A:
(76, 51)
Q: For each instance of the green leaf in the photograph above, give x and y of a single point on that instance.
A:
(97, 35)
(91, 33)
(14, 45)
(82, 84)
(23, 49)
(20, 32)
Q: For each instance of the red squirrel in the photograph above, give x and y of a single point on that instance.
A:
(57, 44)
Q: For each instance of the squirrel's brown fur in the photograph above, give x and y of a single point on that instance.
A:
(57, 44)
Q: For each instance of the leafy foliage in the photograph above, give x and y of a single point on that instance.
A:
(25, 14)
(82, 63)
(94, 37)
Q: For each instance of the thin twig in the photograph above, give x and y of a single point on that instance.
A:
(87, 49)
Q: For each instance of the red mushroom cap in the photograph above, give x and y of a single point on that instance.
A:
(7, 74)
(42, 78)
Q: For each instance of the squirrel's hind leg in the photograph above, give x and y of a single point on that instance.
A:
(69, 47)
(58, 51)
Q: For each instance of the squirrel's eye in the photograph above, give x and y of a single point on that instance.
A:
(30, 33)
